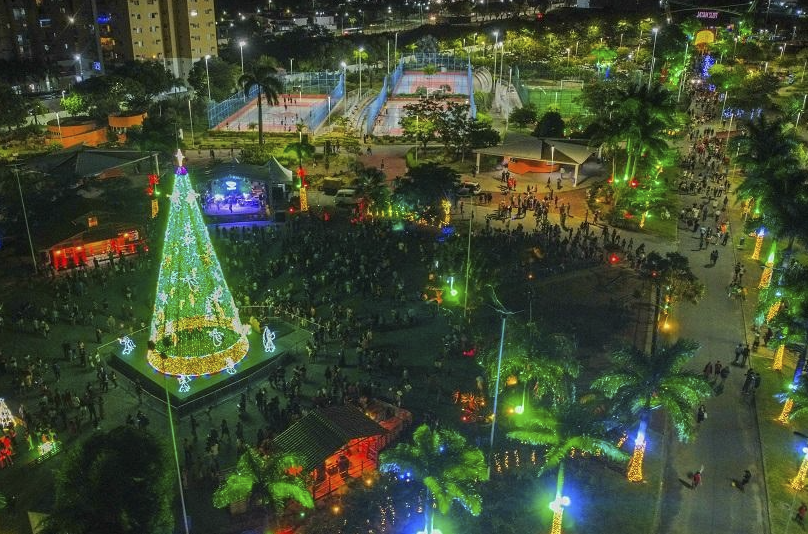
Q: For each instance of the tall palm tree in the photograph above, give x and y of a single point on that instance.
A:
(263, 74)
(544, 363)
(449, 468)
(269, 478)
(640, 383)
(571, 426)
(373, 187)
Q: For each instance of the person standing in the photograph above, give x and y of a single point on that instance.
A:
(708, 370)
(717, 367)
(701, 414)
(747, 476)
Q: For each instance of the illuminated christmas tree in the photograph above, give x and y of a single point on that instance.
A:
(195, 329)
(6, 416)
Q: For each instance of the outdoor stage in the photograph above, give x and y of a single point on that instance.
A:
(234, 196)
(291, 109)
(208, 390)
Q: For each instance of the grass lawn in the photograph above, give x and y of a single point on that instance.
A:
(555, 97)
(782, 450)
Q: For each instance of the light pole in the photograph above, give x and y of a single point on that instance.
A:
(77, 57)
(191, 118)
(655, 30)
(782, 51)
(802, 110)
(207, 75)
(621, 40)
(499, 308)
(496, 41)
(241, 45)
(25, 216)
(361, 50)
(734, 47)
(329, 110)
(684, 72)
(176, 454)
(291, 62)
(59, 125)
(569, 51)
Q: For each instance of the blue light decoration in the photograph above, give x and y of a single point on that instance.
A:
(185, 383)
(104, 18)
(96, 66)
(128, 346)
(709, 61)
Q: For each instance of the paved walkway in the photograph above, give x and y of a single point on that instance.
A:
(728, 441)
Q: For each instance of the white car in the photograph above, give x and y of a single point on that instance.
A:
(466, 189)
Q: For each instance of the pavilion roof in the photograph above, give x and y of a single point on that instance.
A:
(527, 147)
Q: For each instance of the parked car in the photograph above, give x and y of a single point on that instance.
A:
(467, 188)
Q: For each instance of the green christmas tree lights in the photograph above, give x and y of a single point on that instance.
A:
(195, 328)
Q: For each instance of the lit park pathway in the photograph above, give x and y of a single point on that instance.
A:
(727, 442)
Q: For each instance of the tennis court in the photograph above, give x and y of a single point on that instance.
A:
(388, 121)
(451, 82)
(291, 109)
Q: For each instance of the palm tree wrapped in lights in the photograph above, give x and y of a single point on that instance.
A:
(640, 383)
(570, 430)
(449, 468)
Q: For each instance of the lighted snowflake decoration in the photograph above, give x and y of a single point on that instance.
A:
(174, 197)
(163, 297)
(217, 336)
(230, 366)
(191, 197)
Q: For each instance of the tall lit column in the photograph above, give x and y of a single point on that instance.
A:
(207, 75)
(241, 45)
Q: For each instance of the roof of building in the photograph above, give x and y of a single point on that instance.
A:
(324, 431)
(83, 162)
(567, 151)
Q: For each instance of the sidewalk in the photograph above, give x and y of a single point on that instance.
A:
(728, 441)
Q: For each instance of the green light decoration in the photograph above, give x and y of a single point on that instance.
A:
(195, 327)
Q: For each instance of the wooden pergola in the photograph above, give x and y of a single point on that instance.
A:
(553, 151)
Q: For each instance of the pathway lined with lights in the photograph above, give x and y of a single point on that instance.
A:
(728, 441)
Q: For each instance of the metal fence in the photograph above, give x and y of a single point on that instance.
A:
(472, 105)
(328, 83)
(396, 75)
(521, 90)
(375, 107)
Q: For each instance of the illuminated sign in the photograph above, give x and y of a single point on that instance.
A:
(231, 185)
(707, 15)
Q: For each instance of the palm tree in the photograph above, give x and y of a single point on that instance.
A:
(268, 477)
(449, 468)
(544, 363)
(373, 187)
(640, 383)
(775, 178)
(263, 75)
(570, 427)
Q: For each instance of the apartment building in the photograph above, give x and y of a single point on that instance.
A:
(61, 34)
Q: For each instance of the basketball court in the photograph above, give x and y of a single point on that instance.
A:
(291, 109)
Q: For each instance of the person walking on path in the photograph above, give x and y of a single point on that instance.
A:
(696, 479)
(708, 370)
(747, 476)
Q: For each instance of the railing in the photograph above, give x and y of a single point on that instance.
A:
(375, 107)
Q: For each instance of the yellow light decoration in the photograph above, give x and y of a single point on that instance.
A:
(766, 277)
(634, 473)
(512, 380)
(622, 440)
(787, 407)
(777, 365)
(200, 365)
(773, 310)
(758, 245)
(447, 212)
(642, 219)
(558, 515)
(798, 482)
(304, 199)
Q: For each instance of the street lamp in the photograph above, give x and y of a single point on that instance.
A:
(291, 62)
(207, 75)
(191, 119)
(782, 51)
(655, 31)
(569, 50)
(241, 45)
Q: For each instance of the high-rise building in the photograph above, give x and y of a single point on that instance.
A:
(59, 36)
(177, 32)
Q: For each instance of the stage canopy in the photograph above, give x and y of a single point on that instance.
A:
(271, 173)
(526, 147)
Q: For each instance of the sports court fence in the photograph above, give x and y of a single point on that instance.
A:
(375, 107)
(331, 84)
(472, 105)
